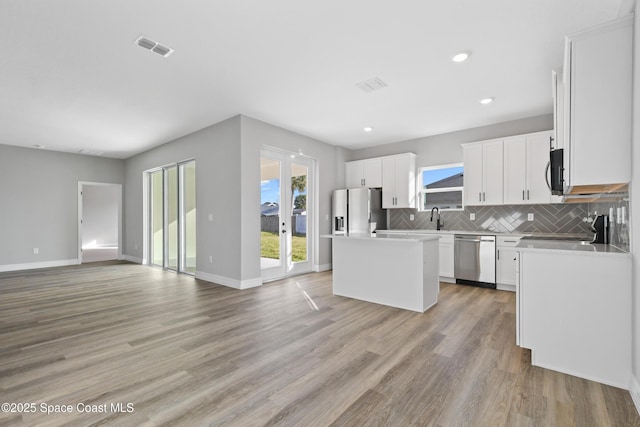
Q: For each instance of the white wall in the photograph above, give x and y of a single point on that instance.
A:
(100, 215)
(445, 148)
(39, 203)
(635, 209)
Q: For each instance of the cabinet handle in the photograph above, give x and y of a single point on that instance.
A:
(498, 254)
(528, 198)
(479, 197)
(522, 194)
(484, 196)
(364, 182)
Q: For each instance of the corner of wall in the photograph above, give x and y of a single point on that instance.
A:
(635, 392)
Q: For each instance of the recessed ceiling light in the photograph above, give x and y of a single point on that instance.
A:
(368, 129)
(461, 56)
(486, 101)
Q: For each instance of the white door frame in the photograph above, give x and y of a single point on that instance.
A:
(81, 184)
(287, 267)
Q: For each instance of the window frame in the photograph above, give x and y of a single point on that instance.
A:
(422, 191)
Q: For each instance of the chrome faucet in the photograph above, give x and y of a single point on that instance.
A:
(438, 223)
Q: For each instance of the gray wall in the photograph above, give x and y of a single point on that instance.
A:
(635, 203)
(445, 149)
(216, 150)
(227, 158)
(100, 215)
(39, 201)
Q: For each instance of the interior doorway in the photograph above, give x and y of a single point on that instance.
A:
(99, 222)
(286, 213)
(171, 221)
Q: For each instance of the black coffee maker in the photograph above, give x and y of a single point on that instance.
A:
(600, 226)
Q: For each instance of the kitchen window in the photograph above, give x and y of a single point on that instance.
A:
(441, 186)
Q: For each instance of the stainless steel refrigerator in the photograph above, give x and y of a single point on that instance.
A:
(358, 210)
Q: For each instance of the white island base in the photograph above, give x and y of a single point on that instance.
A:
(398, 271)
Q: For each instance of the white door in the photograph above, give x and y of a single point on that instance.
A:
(493, 174)
(537, 159)
(515, 171)
(473, 175)
(353, 174)
(285, 214)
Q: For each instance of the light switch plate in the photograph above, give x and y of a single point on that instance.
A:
(411, 217)
(530, 217)
(472, 216)
(210, 217)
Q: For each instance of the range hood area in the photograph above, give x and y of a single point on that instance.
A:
(595, 193)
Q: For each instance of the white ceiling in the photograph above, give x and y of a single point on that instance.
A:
(71, 77)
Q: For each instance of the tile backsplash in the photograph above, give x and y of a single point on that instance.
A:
(556, 218)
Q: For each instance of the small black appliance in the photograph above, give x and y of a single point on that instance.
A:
(600, 226)
(556, 166)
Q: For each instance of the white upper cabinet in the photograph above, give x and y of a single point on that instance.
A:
(483, 174)
(525, 163)
(598, 97)
(364, 173)
(557, 92)
(399, 181)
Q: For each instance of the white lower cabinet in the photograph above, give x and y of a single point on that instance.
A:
(506, 262)
(573, 312)
(445, 246)
(446, 256)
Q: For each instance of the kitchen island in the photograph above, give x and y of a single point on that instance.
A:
(398, 271)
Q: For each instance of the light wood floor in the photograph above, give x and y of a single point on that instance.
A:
(186, 352)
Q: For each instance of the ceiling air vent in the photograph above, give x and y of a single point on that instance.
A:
(156, 47)
(372, 84)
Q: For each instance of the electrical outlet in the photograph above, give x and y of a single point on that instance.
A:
(36, 251)
(135, 246)
(412, 217)
(210, 259)
(530, 217)
(472, 216)
(210, 217)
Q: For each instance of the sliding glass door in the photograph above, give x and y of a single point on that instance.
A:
(172, 217)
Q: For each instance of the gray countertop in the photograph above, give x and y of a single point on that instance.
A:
(536, 235)
(381, 237)
(564, 246)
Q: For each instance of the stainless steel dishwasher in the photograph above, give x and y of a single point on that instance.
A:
(474, 260)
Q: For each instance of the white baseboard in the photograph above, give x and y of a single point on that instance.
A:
(510, 288)
(133, 259)
(227, 281)
(447, 279)
(34, 265)
(606, 381)
(635, 392)
(318, 268)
